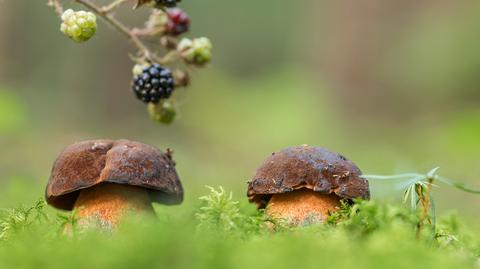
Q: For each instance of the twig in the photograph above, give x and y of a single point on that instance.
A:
(57, 6)
(145, 32)
(112, 6)
(110, 19)
(169, 57)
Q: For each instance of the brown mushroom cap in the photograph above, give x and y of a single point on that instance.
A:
(85, 164)
(308, 167)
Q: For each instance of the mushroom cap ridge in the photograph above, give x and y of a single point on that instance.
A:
(308, 167)
(88, 163)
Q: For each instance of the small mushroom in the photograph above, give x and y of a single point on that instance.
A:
(104, 179)
(303, 184)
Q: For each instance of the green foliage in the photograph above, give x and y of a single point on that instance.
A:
(366, 217)
(18, 219)
(418, 189)
(367, 234)
(68, 221)
(220, 213)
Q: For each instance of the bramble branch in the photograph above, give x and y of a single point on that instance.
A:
(57, 6)
(153, 81)
(111, 7)
(110, 19)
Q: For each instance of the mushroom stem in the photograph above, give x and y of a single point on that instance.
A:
(303, 206)
(107, 203)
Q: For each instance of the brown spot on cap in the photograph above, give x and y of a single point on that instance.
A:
(88, 163)
(308, 167)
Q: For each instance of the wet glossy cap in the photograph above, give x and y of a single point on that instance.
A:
(308, 167)
(85, 164)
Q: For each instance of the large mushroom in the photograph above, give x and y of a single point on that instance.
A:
(104, 179)
(303, 184)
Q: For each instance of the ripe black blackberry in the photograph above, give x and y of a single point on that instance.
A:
(154, 83)
(167, 3)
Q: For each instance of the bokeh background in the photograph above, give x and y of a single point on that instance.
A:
(392, 85)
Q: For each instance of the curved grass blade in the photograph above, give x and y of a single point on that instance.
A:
(387, 177)
(459, 185)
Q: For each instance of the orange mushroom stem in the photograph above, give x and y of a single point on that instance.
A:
(108, 203)
(302, 206)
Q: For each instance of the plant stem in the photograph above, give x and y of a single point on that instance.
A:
(169, 57)
(112, 6)
(110, 19)
(427, 199)
(57, 6)
(424, 196)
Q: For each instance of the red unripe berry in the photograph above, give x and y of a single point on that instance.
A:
(178, 22)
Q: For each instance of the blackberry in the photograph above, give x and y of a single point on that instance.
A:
(78, 25)
(166, 3)
(153, 84)
(178, 22)
(197, 51)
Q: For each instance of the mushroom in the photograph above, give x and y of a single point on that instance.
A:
(104, 179)
(303, 184)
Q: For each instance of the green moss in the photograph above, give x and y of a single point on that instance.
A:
(220, 233)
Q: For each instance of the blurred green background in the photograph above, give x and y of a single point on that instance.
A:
(392, 85)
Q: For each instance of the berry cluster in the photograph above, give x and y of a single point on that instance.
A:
(153, 84)
(197, 51)
(80, 26)
(178, 22)
(166, 3)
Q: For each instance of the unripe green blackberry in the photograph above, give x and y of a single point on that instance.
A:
(162, 112)
(80, 26)
(153, 84)
(197, 51)
(158, 19)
